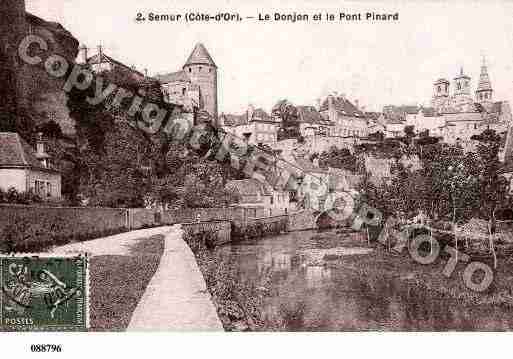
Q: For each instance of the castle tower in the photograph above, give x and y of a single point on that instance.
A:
(203, 72)
(484, 89)
(12, 30)
(462, 84)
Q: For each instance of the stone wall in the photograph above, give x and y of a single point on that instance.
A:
(235, 214)
(222, 230)
(143, 218)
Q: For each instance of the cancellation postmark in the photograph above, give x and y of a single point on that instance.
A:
(44, 293)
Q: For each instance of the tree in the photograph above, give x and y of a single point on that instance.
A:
(339, 158)
(288, 113)
(409, 131)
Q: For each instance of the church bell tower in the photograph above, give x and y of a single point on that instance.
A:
(484, 89)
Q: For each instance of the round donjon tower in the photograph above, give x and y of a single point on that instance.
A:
(202, 71)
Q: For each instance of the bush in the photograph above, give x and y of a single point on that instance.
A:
(198, 240)
(15, 197)
(32, 232)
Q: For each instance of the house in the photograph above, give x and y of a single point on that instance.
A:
(312, 123)
(255, 126)
(25, 169)
(348, 119)
(254, 193)
(101, 62)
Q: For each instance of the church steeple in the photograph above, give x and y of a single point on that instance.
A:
(484, 89)
(462, 84)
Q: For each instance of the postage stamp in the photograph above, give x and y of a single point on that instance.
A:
(44, 293)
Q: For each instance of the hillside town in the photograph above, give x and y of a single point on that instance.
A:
(443, 167)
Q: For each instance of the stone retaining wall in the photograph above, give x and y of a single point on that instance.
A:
(222, 230)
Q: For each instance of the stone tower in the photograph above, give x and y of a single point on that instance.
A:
(203, 72)
(462, 84)
(440, 93)
(12, 30)
(484, 89)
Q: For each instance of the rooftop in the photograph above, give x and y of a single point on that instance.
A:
(178, 76)
(249, 187)
(343, 106)
(200, 56)
(15, 152)
(309, 114)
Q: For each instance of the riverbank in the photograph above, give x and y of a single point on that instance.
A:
(238, 304)
(402, 267)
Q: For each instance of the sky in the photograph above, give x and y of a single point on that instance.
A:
(376, 63)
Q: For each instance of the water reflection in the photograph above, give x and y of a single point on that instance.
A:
(309, 294)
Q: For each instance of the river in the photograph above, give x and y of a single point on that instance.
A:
(306, 293)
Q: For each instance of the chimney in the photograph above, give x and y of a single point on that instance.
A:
(357, 104)
(40, 144)
(250, 112)
(41, 154)
(343, 96)
(330, 102)
(100, 52)
(318, 104)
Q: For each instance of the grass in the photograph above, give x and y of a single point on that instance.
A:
(118, 283)
(402, 267)
(238, 304)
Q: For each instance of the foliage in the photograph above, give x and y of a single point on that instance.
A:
(451, 185)
(339, 158)
(32, 232)
(12, 196)
(288, 113)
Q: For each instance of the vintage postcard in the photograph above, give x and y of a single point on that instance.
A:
(250, 166)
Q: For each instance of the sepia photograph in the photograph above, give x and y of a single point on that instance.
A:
(172, 166)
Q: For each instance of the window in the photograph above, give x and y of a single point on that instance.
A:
(48, 189)
(183, 91)
(439, 89)
(190, 70)
(199, 68)
(40, 188)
